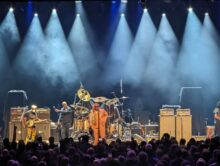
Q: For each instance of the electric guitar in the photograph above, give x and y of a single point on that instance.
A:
(31, 122)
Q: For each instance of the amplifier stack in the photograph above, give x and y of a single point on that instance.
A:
(15, 124)
(167, 122)
(177, 123)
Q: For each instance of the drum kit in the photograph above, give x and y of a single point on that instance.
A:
(114, 124)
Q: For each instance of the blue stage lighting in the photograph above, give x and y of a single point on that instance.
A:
(190, 9)
(11, 9)
(54, 11)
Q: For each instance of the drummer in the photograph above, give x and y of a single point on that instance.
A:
(97, 122)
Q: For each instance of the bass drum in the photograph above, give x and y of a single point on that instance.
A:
(82, 124)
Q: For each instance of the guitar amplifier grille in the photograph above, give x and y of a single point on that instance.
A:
(167, 111)
(16, 112)
(43, 113)
(151, 129)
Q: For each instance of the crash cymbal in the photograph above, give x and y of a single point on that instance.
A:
(112, 101)
(100, 99)
(83, 94)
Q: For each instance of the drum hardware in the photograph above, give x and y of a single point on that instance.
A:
(80, 111)
(116, 126)
(100, 99)
(112, 101)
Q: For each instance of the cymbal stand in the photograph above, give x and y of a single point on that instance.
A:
(122, 110)
(109, 121)
(74, 122)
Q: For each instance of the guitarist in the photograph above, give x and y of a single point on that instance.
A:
(97, 122)
(28, 121)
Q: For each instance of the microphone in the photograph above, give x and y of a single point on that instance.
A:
(121, 84)
(81, 85)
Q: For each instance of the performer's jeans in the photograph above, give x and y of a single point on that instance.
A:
(31, 134)
(65, 130)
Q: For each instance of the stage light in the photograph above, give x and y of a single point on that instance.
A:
(145, 10)
(35, 14)
(11, 9)
(206, 13)
(78, 15)
(163, 14)
(78, 1)
(124, 1)
(33, 107)
(122, 14)
(54, 11)
(190, 9)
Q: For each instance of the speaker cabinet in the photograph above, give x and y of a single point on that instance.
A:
(16, 112)
(43, 130)
(151, 129)
(167, 125)
(43, 113)
(183, 127)
(20, 131)
(55, 134)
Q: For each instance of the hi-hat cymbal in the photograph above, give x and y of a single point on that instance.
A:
(80, 109)
(112, 101)
(83, 94)
(100, 99)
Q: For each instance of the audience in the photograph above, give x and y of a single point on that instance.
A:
(164, 152)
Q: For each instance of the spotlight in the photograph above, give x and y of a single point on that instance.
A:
(206, 13)
(124, 1)
(54, 11)
(78, 15)
(35, 14)
(78, 1)
(163, 14)
(11, 9)
(145, 10)
(190, 9)
(33, 107)
(122, 14)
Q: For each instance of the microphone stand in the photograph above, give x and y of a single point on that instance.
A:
(98, 124)
(74, 121)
